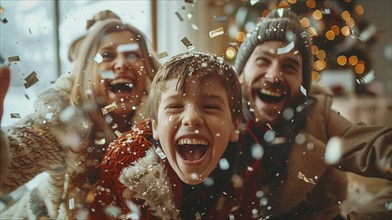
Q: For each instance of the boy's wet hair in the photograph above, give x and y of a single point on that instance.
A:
(196, 64)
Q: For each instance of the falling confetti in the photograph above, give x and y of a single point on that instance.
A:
(107, 74)
(303, 90)
(179, 16)
(194, 27)
(216, 32)
(367, 79)
(187, 43)
(160, 153)
(31, 79)
(109, 108)
(287, 48)
(98, 58)
(220, 18)
(333, 151)
(306, 179)
(127, 47)
(253, 2)
(13, 59)
(162, 55)
(15, 115)
(5, 21)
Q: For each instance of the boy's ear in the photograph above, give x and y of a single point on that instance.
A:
(154, 129)
(235, 133)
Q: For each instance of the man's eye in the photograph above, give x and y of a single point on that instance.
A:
(290, 68)
(262, 61)
(174, 106)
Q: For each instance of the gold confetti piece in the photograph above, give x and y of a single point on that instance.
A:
(216, 32)
(306, 179)
(90, 196)
(27, 97)
(162, 55)
(220, 18)
(15, 115)
(31, 79)
(109, 108)
(5, 21)
(179, 16)
(353, 215)
(13, 59)
(187, 43)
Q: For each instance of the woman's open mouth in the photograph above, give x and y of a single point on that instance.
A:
(192, 149)
(121, 85)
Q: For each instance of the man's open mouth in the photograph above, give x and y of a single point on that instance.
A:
(121, 85)
(268, 95)
(192, 149)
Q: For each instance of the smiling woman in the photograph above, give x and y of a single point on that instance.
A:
(75, 119)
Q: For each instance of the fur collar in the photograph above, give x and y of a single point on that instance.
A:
(148, 179)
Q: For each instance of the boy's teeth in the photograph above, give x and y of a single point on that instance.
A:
(193, 141)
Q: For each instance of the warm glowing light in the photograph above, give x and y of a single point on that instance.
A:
(315, 76)
(353, 60)
(317, 15)
(283, 4)
(345, 15)
(319, 65)
(350, 23)
(314, 49)
(330, 35)
(310, 3)
(360, 67)
(240, 36)
(321, 54)
(342, 60)
(292, 1)
(305, 22)
(359, 10)
(345, 31)
(230, 53)
(265, 13)
(336, 30)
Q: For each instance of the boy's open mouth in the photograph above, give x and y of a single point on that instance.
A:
(121, 85)
(192, 149)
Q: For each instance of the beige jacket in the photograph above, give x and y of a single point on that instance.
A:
(31, 147)
(324, 187)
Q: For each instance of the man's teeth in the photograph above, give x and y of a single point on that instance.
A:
(193, 141)
(270, 93)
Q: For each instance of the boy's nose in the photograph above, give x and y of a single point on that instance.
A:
(193, 118)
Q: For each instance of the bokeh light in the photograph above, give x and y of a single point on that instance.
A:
(341, 60)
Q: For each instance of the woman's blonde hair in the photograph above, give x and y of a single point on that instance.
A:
(85, 90)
